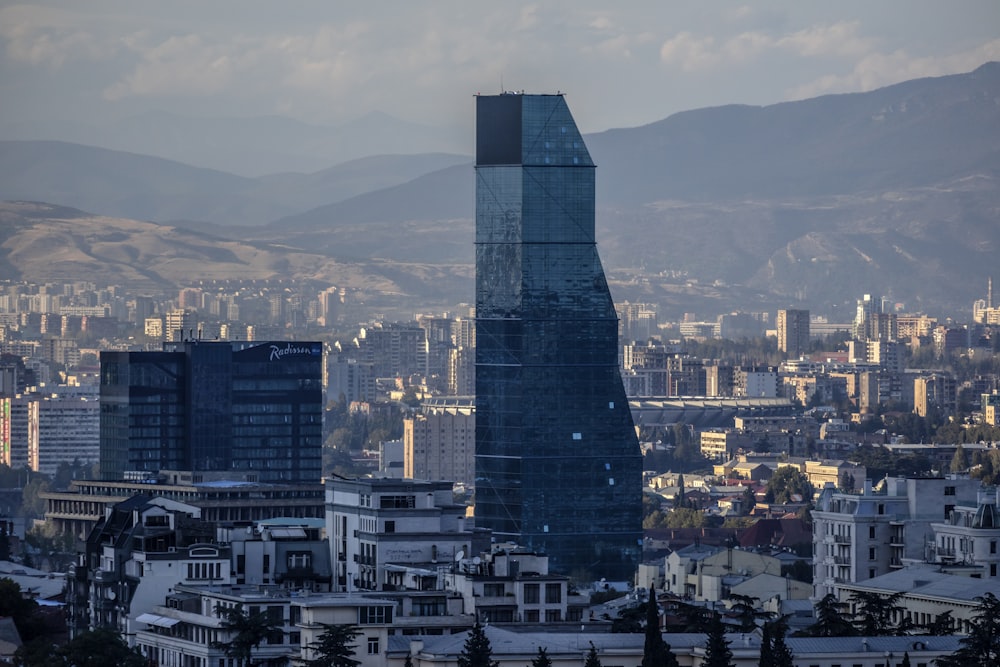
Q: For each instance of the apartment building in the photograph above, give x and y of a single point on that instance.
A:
(860, 536)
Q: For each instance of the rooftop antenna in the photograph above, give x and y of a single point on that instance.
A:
(501, 84)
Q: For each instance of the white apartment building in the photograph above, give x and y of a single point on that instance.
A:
(857, 537)
(376, 522)
(968, 541)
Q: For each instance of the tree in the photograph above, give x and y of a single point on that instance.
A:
(94, 648)
(655, 652)
(959, 462)
(477, 651)
(831, 619)
(592, 659)
(334, 647)
(982, 645)
(941, 625)
(787, 482)
(875, 612)
(717, 653)
(247, 632)
(542, 659)
(744, 607)
(21, 609)
(774, 652)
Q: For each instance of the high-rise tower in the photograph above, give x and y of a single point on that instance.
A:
(558, 467)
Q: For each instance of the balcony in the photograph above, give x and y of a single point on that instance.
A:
(842, 560)
(842, 539)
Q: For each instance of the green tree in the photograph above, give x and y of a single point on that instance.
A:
(906, 659)
(941, 625)
(717, 653)
(744, 608)
(246, 632)
(874, 613)
(982, 645)
(542, 659)
(334, 647)
(774, 652)
(592, 659)
(832, 619)
(787, 482)
(23, 610)
(95, 648)
(959, 462)
(655, 652)
(477, 651)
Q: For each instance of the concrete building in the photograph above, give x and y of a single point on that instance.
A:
(439, 442)
(968, 540)
(857, 537)
(793, 332)
(707, 573)
(373, 523)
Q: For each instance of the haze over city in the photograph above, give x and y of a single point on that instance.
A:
(69, 64)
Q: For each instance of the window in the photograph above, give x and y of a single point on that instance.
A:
(493, 590)
(949, 490)
(993, 546)
(872, 553)
(373, 646)
(267, 563)
(871, 532)
(531, 593)
(375, 615)
(993, 569)
(531, 616)
(871, 573)
(390, 526)
(299, 560)
(552, 616)
(553, 593)
(881, 508)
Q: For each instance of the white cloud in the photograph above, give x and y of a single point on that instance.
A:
(875, 70)
(47, 37)
(838, 39)
(692, 52)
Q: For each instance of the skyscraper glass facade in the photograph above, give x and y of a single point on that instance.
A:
(252, 408)
(558, 467)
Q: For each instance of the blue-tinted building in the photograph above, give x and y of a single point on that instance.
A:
(249, 407)
(558, 466)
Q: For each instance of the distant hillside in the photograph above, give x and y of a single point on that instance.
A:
(251, 146)
(148, 188)
(811, 203)
(45, 243)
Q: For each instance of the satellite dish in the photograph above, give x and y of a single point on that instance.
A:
(477, 560)
(111, 595)
(459, 556)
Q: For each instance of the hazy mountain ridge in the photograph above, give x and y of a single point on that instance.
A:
(250, 146)
(148, 188)
(43, 243)
(895, 191)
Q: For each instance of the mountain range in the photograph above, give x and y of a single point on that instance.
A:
(800, 204)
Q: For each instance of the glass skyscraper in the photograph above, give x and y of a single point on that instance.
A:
(251, 408)
(558, 466)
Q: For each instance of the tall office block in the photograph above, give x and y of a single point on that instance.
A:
(793, 332)
(558, 467)
(255, 409)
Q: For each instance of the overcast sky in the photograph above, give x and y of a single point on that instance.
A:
(621, 64)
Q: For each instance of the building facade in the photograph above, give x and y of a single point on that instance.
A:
(558, 465)
(252, 408)
(439, 442)
(793, 332)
